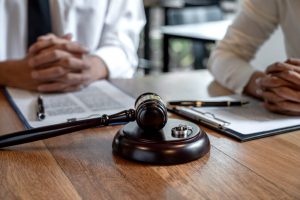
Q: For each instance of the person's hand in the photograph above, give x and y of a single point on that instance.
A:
(289, 71)
(60, 65)
(280, 88)
(17, 73)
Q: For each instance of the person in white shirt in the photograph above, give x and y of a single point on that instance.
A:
(279, 84)
(90, 40)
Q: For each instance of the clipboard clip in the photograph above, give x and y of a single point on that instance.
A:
(213, 116)
(202, 117)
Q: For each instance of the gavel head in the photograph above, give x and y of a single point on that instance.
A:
(151, 112)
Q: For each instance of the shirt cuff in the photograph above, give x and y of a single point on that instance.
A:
(242, 79)
(235, 75)
(116, 62)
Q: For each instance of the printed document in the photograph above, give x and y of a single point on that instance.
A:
(99, 98)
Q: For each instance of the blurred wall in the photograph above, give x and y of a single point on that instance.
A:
(273, 50)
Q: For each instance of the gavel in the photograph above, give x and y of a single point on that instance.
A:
(150, 114)
(147, 137)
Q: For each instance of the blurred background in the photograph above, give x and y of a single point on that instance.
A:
(180, 35)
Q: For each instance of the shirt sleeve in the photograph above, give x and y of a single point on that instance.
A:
(120, 37)
(230, 61)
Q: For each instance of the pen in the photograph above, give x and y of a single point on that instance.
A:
(207, 103)
(40, 109)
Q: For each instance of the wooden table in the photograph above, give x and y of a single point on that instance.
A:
(81, 165)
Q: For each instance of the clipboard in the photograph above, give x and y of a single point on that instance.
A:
(240, 122)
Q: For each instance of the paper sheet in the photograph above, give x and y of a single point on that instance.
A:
(250, 118)
(97, 99)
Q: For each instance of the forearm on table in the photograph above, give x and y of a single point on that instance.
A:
(230, 70)
(230, 62)
(6, 72)
(17, 73)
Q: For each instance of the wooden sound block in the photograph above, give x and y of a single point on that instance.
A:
(178, 142)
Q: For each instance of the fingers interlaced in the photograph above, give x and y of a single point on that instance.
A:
(59, 64)
(281, 87)
(69, 82)
(63, 43)
(273, 82)
(284, 107)
(276, 81)
(270, 96)
(45, 42)
(290, 76)
(284, 74)
(293, 61)
(281, 67)
(287, 93)
(47, 57)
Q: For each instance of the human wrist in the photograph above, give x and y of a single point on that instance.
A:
(99, 68)
(5, 71)
(8, 73)
(253, 87)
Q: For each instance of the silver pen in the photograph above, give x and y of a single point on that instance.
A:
(200, 117)
(40, 114)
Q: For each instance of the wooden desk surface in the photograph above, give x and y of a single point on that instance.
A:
(81, 165)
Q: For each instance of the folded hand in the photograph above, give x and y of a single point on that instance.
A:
(60, 65)
(280, 88)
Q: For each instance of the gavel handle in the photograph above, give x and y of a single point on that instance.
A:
(45, 132)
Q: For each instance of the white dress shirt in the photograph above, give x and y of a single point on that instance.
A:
(230, 62)
(108, 28)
